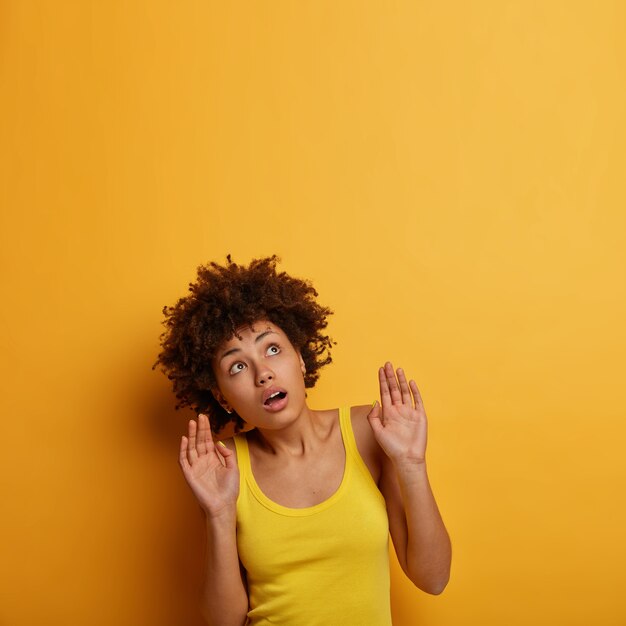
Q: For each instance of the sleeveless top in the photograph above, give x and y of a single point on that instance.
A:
(326, 564)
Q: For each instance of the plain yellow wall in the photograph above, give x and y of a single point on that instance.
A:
(451, 177)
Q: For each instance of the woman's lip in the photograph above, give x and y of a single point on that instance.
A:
(277, 405)
(270, 391)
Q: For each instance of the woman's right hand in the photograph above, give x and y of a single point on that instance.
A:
(209, 469)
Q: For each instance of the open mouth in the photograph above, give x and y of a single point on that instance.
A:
(276, 397)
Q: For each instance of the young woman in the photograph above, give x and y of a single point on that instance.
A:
(300, 504)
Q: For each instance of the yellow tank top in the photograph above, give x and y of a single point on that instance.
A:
(326, 564)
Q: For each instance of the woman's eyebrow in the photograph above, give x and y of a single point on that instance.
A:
(231, 351)
(256, 340)
(269, 331)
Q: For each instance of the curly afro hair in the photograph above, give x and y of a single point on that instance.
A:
(223, 299)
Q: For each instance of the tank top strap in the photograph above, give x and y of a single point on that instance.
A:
(347, 433)
(243, 458)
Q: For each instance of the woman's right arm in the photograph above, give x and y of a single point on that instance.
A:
(211, 472)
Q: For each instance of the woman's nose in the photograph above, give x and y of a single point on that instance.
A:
(264, 376)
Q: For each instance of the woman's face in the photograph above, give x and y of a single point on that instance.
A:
(260, 376)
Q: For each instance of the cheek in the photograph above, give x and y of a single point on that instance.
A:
(228, 388)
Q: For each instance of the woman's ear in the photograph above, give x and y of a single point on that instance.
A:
(302, 365)
(217, 394)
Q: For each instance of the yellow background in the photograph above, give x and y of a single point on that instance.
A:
(451, 177)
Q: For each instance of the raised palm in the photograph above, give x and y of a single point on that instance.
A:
(209, 469)
(399, 425)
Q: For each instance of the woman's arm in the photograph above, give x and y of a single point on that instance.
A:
(417, 530)
(211, 472)
(224, 597)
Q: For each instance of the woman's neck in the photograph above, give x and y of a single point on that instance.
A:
(300, 438)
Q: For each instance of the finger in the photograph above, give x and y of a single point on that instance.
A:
(182, 458)
(375, 412)
(404, 388)
(374, 418)
(203, 429)
(385, 396)
(192, 453)
(226, 454)
(416, 395)
(394, 390)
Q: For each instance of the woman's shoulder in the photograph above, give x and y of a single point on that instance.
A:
(330, 418)
(360, 411)
(360, 424)
(366, 443)
(229, 443)
(228, 439)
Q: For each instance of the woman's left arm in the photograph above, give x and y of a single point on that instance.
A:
(417, 530)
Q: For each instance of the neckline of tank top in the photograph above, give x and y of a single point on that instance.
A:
(315, 508)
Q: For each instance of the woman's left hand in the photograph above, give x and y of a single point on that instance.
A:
(399, 425)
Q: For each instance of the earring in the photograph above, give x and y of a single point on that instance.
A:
(228, 411)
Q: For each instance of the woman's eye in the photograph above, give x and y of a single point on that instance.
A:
(273, 349)
(236, 367)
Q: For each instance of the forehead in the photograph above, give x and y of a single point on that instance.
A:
(249, 334)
